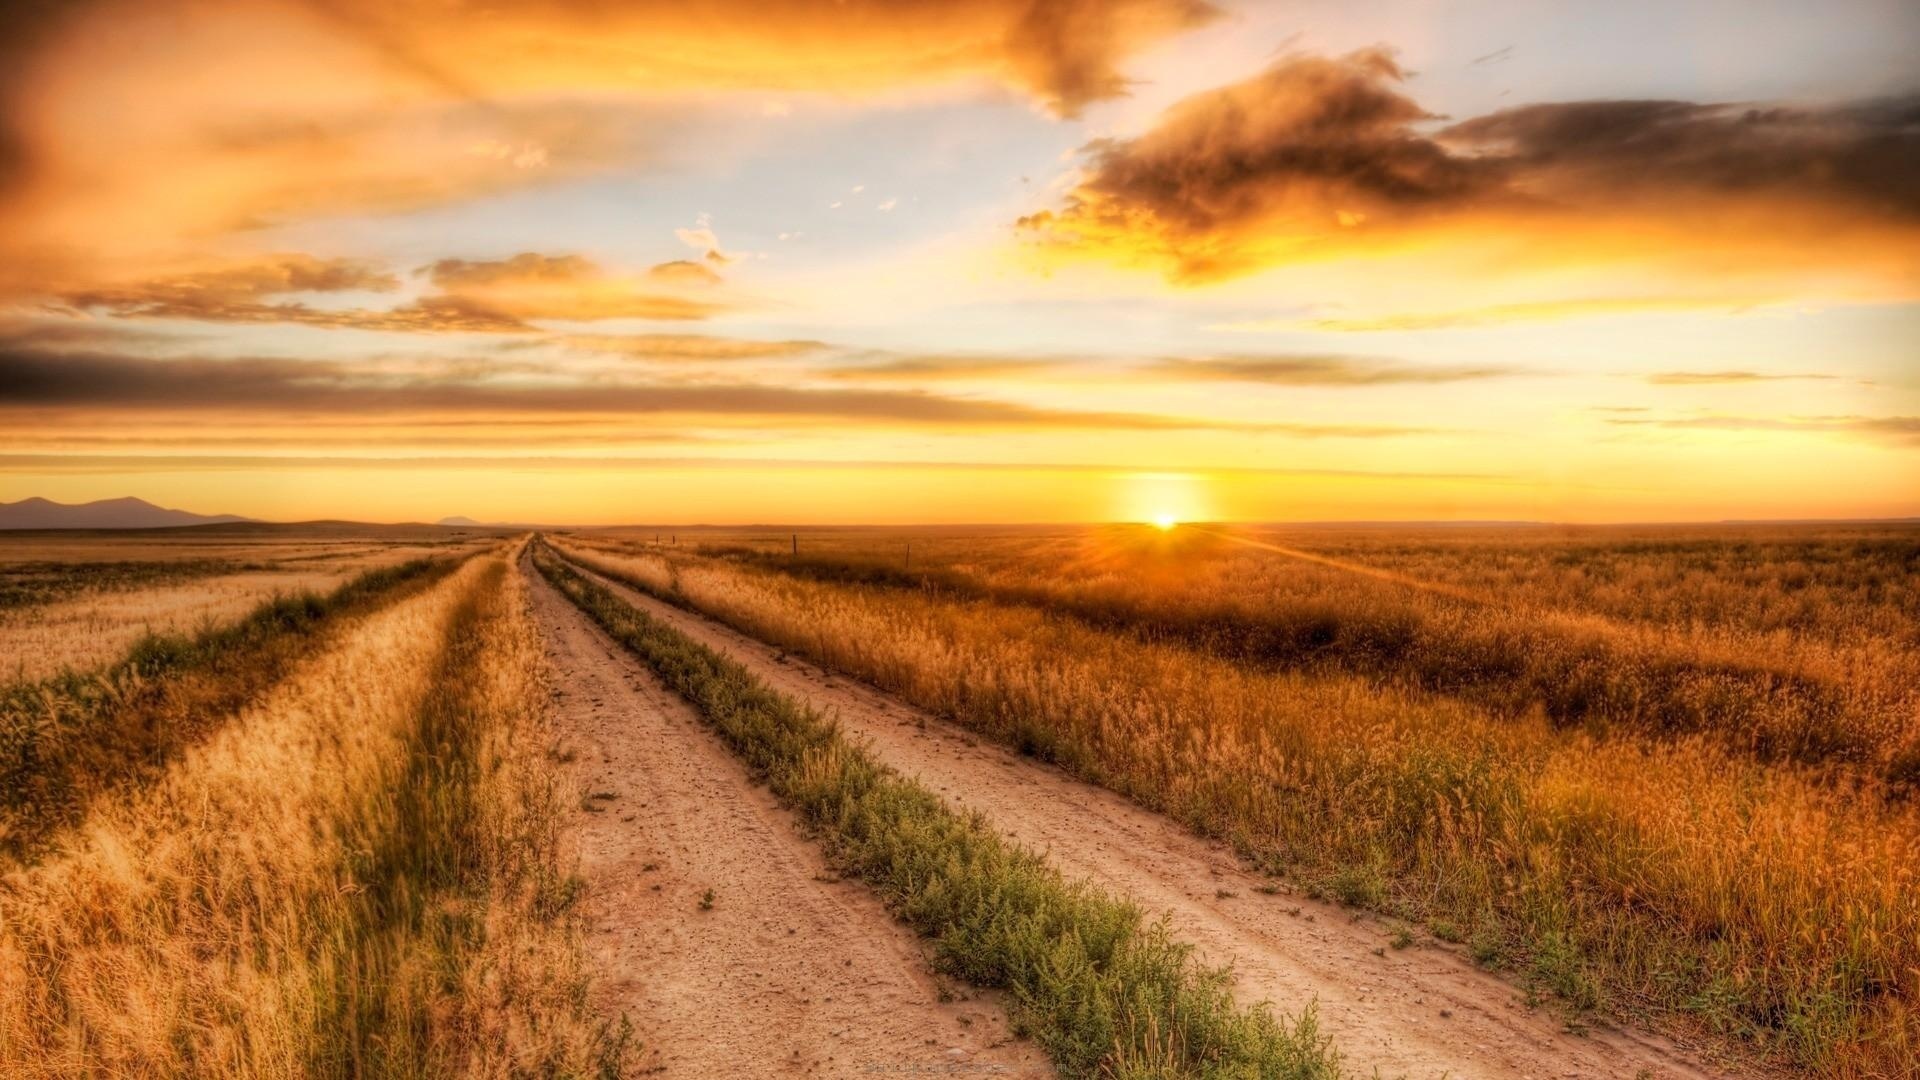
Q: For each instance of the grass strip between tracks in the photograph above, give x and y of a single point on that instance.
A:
(1102, 991)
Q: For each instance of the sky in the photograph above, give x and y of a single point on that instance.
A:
(899, 261)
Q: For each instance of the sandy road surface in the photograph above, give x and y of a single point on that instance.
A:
(790, 973)
(1424, 1012)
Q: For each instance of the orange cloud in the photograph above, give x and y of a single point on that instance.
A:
(130, 129)
(252, 292)
(486, 296)
(1321, 371)
(686, 272)
(690, 347)
(535, 286)
(1319, 157)
(45, 382)
(1065, 53)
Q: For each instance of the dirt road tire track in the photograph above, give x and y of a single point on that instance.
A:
(790, 972)
(1424, 1012)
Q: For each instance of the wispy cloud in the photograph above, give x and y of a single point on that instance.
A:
(943, 368)
(1902, 430)
(112, 463)
(1492, 315)
(532, 285)
(471, 296)
(687, 347)
(1322, 370)
(33, 379)
(1715, 378)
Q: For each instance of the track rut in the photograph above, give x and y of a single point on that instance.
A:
(788, 971)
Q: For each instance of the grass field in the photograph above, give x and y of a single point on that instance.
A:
(1661, 774)
(81, 603)
(348, 860)
(1660, 778)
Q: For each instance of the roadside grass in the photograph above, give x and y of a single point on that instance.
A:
(363, 875)
(1102, 992)
(65, 739)
(1771, 909)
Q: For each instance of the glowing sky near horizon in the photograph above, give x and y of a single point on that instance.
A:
(918, 261)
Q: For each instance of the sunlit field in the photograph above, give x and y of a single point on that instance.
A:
(1648, 780)
(1662, 775)
(884, 539)
(321, 841)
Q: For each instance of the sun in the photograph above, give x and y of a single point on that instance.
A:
(1162, 500)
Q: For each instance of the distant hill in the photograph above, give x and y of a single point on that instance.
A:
(461, 521)
(126, 513)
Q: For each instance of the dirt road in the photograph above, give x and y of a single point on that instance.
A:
(716, 929)
(1422, 1012)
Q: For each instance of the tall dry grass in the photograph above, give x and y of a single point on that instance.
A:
(362, 874)
(77, 608)
(1672, 879)
(1787, 643)
(67, 739)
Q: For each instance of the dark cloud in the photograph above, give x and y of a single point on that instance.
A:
(1322, 370)
(122, 463)
(1318, 155)
(1308, 140)
(1323, 130)
(97, 382)
(1861, 158)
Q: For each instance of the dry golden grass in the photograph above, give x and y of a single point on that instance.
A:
(362, 874)
(1676, 878)
(1800, 643)
(99, 620)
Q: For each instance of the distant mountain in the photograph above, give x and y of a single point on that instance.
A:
(461, 521)
(126, 513)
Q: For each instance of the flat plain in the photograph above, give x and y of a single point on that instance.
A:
(1309, 801)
